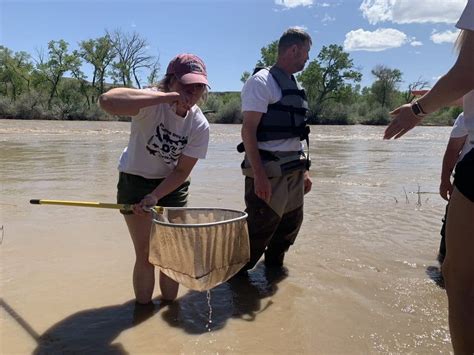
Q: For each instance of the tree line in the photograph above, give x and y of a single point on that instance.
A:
(52, 84)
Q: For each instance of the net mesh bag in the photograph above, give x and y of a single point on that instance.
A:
(199, 247)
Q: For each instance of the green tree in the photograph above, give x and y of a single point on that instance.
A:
(100, 53)
(84, 86)
(52, 68)
(131, 56)
(245, 76)
(418, 84)
(385, 87)
(328, 78)
(15, 72)
(269, 55)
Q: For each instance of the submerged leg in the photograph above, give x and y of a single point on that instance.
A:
(169, 287)
(262, 222)
(143, 271)
(283, 237)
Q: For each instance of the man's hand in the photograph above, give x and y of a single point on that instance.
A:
(308, 184)
(263, 187)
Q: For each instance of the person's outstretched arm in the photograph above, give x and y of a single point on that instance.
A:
(458, 81)
(127, 101)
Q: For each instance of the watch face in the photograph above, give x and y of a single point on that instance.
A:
(415, 108)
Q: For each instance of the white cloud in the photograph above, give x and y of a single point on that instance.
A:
(444, 37)
(327, 18)
(304, 28)
(408, 11)
(376, 41)
(416, 43)
(294, 3)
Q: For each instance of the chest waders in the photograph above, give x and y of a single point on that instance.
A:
(284, 119)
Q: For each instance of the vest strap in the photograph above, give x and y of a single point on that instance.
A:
(286, 108)
(297, 92)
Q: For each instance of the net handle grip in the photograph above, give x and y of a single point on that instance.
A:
(124, 207)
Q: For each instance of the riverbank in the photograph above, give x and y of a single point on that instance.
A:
(212, 119)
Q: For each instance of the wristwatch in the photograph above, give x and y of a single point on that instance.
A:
(417, 109)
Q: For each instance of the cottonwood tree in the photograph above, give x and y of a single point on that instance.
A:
(98, 52)
(269, 55)
(328, 78)
(386, 85)
(152, 78)
(53, 66)
(131, 57)
(15, 72)
(418, 84)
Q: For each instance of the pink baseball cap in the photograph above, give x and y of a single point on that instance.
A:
(188, 68)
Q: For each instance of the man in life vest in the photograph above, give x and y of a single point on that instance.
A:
(274, 110)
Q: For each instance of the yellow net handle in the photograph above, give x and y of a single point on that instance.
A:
(118, 206)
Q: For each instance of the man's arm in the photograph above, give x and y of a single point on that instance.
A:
(456, 83)
(451, 155)
(250, 123)
(126, 101)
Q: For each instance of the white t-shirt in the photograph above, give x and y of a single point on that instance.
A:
(259, 91)
(466, 22)
(159, 136)
(459, 130)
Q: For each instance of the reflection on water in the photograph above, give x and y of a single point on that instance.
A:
(361, 273)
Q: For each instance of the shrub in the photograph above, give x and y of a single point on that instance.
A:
(231, 112)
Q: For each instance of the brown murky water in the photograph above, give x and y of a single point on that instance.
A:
(360, 276)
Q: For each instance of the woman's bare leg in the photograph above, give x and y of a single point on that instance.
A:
(169, 287)
(458, 272)
(143, 272)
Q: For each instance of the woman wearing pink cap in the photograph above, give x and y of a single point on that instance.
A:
(169, 133)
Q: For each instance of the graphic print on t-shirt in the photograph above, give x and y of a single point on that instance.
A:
(167, 144)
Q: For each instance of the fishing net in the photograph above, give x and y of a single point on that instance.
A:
(199, 247)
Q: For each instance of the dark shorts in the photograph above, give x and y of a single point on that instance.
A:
(464, 176)
(132, 188)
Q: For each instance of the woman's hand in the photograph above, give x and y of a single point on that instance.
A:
(179, 99)
(143, 207)
(446, 189)
(403, 121)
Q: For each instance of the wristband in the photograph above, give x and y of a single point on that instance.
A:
(417, 109)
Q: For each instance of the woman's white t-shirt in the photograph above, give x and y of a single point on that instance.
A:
(158, 137)
(459, 130)
(466, 22)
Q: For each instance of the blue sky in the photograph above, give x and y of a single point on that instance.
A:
(415, 37)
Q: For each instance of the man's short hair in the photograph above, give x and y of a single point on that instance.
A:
(292, 36)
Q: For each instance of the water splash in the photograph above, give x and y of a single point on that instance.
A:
(209, 319)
